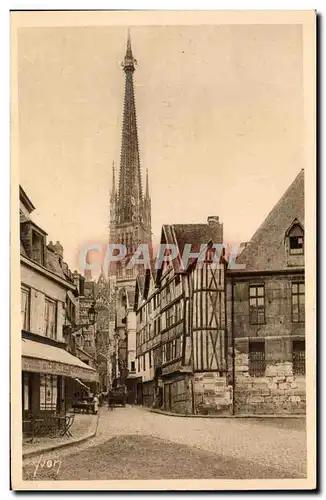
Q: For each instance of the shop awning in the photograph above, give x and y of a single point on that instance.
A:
(83, 385)
(44, 358)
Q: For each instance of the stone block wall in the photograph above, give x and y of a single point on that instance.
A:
(277, 392)
(212, 394)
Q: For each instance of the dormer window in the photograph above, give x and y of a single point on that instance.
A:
(295, 236)
(296, 245)
(38, 247)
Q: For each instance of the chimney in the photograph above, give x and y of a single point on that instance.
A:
(212, 220)
(58, 249)
(216, 228)
(51, 247)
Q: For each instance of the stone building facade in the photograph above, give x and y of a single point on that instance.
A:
(266, 306)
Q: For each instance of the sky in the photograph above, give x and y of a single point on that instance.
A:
(220, 123)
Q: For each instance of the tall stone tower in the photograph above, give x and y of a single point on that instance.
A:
(130, 210)
(130, 225)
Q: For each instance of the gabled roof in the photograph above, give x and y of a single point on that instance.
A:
(25, 200)
(266, 249)
(193, 234)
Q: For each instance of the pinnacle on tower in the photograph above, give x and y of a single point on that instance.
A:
(113, 191)
(147, 186)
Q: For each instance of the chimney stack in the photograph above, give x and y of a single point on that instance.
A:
(58, 248)
(212, 220)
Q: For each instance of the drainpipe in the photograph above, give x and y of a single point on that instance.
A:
(233, 346)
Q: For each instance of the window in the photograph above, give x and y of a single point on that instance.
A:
(177, 280)
(26, 391)
(50, 319)
(132, 366)
(119, 270)
(296, 240)
(298, 302)
(178, 311)
(149, 307)
(129, 272)
(138, 364)
(298, 357)
(164, 353)
(48, 392)
(256, 304)
(144, 361)
(25, 308)
(150, 359)
(37, 247)
(169, 317)
(256, 358)
(150, 328)
(141, 315)
(168, 294)
(178, 352)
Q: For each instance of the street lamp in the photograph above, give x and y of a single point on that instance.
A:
(92, 314)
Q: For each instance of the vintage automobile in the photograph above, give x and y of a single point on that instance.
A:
(117, 396)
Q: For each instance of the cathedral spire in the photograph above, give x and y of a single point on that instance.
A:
(147, 186)
(130, 186)
(113, 191)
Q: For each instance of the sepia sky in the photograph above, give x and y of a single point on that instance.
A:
(220, 123)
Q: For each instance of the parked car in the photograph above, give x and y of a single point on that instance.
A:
(117, 396)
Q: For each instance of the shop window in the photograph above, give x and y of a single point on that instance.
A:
(26, 392)
(48, 392)
(298, 357)
(256, 304)
(257, 363)
(298, 302)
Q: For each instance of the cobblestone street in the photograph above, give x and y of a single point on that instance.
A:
(134, 443)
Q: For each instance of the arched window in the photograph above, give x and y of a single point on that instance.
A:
(295, 235)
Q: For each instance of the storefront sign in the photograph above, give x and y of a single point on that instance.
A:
(55, 368)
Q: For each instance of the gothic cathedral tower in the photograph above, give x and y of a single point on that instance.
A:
(130, 210)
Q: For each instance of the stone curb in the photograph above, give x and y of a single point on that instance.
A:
(247, 415)
(29, 454)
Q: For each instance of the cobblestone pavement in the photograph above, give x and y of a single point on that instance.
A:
(262, 445)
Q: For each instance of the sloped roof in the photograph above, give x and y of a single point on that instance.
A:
(196, 234)
(192, 234)
(266, 249)
(53, 264)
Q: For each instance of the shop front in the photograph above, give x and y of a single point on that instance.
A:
(51, 378)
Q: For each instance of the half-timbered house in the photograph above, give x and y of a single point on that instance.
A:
(181, 333)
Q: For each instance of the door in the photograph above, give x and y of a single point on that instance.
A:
(167, 397)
